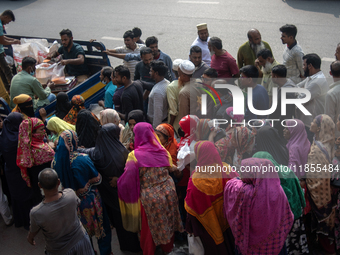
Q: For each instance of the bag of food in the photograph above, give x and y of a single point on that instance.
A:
(44, 72)
(58, 76)
(19, 52)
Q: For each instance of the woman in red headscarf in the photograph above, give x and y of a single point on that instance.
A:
(166, 135)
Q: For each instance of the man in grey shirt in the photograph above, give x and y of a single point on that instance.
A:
(317, 85)
(196, 58)
(332, 105)
(57, 216)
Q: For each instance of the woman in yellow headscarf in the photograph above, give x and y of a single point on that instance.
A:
(24, 105)
(57, 126)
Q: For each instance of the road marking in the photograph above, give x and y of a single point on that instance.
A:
(328, 59)
(112, 38)
(196, 2)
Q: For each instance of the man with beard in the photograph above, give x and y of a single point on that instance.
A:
(196, 58)
(278, 75)
(202, 42)
(158, 104)
(73, 57)
(317, 85)
(247, 53)
(267, 62)
(292, 54)
(221, 60)
(130, 47)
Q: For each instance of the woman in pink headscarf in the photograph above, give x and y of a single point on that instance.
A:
(298, 146)
(258, 211)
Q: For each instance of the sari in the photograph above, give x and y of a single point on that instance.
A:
(204, 200)
(63, 105)
(146, 181)
(250, 202)
(171, 144)
(298, 146)
(76, 171)
(319, 192)
(58, 126)
(87, 128)
(77, 105)
(24, 105)
(32, 150)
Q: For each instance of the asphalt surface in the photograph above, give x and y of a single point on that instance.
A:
(174, 23)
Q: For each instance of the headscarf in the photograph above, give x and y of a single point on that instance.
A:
(136, 115)
(32, 150)
(253, 200)
(24, 105)
(148, 152)
(268, 139)
(111, 116)
(202, 130)
(74, 169)
(77, 105)
(127, 137)
(204, 199)
(10, 132)
(318, 183)
(171, 144)
(63, 105)
(87, 128)
(298, 146)
(289, 183)
(188, 124)
(58, 125)
(235, 117)
(109, 155)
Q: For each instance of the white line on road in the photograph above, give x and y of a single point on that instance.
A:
(328, 59)
(112, 38)
(196, 2)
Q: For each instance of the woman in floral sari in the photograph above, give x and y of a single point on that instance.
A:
(146, 192)
(33, 153)
(204, 201)
(319, 191)
(76, 171)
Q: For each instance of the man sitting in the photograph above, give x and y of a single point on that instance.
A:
(57, 216)
(73, 57)
(25, 83)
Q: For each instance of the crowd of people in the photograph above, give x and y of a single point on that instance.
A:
(124, 167)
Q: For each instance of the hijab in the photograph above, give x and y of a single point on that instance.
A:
(202, 129)
(87, 128)
(63, 105)
(77, 105)
(253, 200)
(127, 136)
(24, 105)
(136, 115)
(268, 139)
(109, 116)
(298, 146)
(58, 125)
(32, 150)
(188, 124)
(10, 132)
(171, 144)
(289, 183)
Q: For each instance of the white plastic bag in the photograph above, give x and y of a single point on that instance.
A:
(185, 155)
(54, 47)
(195, 245)
(19, 52)
(44, 72)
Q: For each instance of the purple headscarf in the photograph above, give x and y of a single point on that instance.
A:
(298, 146)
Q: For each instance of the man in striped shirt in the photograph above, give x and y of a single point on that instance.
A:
(293, 54)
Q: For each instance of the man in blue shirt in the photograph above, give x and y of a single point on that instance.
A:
(110, 88)
(5, 71)
(248, 78)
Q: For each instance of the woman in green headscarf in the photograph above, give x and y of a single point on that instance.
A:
(297, 240)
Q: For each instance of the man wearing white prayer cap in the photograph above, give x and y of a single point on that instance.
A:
(172, 93)
(188, 94)
(202, 41)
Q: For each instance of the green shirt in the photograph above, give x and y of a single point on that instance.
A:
(74, 70)
(246, 55)
(24, 83)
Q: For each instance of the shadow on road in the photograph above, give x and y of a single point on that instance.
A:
(331, 7)
(16, 4)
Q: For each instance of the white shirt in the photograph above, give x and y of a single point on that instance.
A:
(205, 50)
(158, 103)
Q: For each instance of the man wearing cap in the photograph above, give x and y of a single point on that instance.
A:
(247, 53)
(172, 94)
(202, 42)
(189, 93)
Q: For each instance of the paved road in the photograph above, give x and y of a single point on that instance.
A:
(173, 22)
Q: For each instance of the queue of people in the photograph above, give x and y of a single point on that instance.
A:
(125, 169)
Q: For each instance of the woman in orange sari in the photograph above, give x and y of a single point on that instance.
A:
(204, 201)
